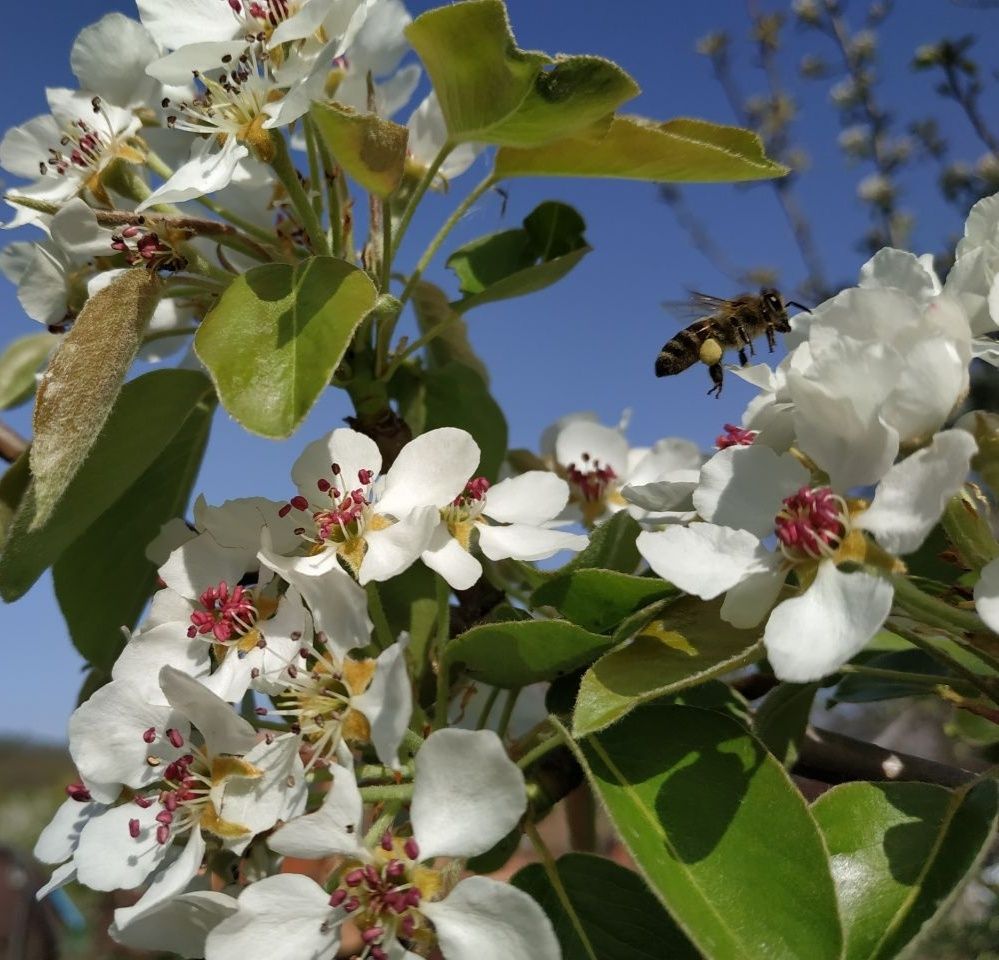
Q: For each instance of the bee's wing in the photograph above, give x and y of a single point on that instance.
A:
(697, 305)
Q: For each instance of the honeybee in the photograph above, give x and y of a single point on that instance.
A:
(727, 324)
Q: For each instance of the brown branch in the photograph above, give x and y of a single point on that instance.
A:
(12, 444)
(836, 758)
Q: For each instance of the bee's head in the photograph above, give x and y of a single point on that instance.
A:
(774, 305)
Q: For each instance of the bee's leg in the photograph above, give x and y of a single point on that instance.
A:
(743, 335)
(717, 372)
(743, 359)
(771, 339)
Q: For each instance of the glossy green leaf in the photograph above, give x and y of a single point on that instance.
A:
(370, 148)
(276, 335)
(82, 382)
(13, 484)
(634, 148)
(858, 688)
(899, 853)
(516, 262)
(112, 550)
(456, 396)
(410, 605)
(516, 653)
(688, 645)
(19, 364)
(610, 914)
(700, 804)
(611, 547)
(451, 342)
(149, 414)
(600, 599)
(492, 92)
(781, 719)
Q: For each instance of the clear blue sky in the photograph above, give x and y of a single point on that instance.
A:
(587, 343)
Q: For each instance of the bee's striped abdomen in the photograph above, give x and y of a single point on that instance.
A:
(682, 351)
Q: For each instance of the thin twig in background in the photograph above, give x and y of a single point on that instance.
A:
(12, 444)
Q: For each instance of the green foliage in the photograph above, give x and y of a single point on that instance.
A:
(697, 801)
(688, 645)
(782, 719)
(434, 313)
(370, 149)
(274, 338)
(112, 550)
(899, 852)
(603, 911)
(492, 92)
(515, 653)
(18, 365)
(635, 148)
(131, 441)
(611, 547)
(82, 381)
(512, 263)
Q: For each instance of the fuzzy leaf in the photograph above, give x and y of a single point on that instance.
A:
(82, 381)
(19, 364)
(432, 309)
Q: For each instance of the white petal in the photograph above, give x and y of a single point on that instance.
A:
(237, 523)
(666, 457)
(169, 880)
(582, 439)
(339, 606)
(177, 67)
(120, 77)
(451, 560)
(15, 258)
(168, 606)
(75, 230)
(433, 469)
(201, 563)
(484, 919)
(900, 270)
(182, 22)
(911, 497)
(748, 602)
(523, 542)
(533, 497)
(703, 559)
(388, 702)
(376, 37)
(287, 917)
(106, 742)
(336, 827)
(394, 549)
(987, 595)
(148, 651)
(665, 494)
(223, 729)
(207, 171)
(58, 840)
(742, 487)
(301, 24)
(174, 533)
(468, 793)
(809, 636)
(110, 858)
(179, 926)
(25, 146)
(279, 794)
(43, 288)
(349, 450)
(59, 878)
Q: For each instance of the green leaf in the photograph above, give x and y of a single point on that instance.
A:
(18, 365)
(516, 262)
(600, 599)
(456, 396)
(150, 412)
(967, 524)
(697, 801)
(432, 310)
(610, 913)
(899, 853)
(370, 149)
(410, 604)
(13, 484)
(781, 719)
(634, 148)
(276, 335)
(112, 550)
(516, 653)
(611, 547)
(83, 380)
(690, 644)
(492, 92)
(857, 688)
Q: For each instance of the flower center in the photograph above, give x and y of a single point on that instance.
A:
(811, 524)
(590, 480)
(143, 247)
(82, 147)
(466, 509)
(383, 897)
(735, 436)
(225, 614)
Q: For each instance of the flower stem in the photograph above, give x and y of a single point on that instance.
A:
(441, 235)
(383, 822)
(387, 792)
(901, 676)
(507, 714)
(443, 667)
(288, 175)
(934, 612)
(383, 632)
(312, 152)
(421, 189)
(332, 175)
(980, 683)
(386, 264)
(542, 749)
(487, 708)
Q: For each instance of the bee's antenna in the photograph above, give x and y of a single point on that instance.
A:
(800, 306)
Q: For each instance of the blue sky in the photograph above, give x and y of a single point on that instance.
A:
(589, 342)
